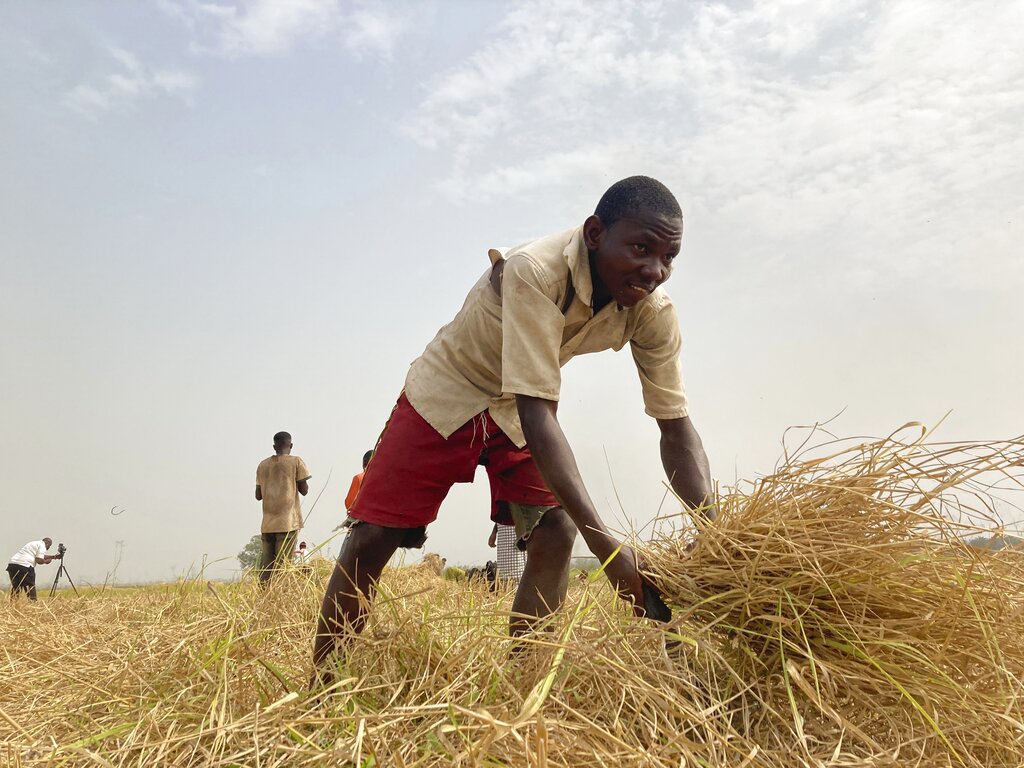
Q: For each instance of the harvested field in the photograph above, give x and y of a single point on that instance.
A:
(831, 617)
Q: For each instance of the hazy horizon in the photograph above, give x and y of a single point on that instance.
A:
(219, 220)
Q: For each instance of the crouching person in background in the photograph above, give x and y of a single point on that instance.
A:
(22, 567)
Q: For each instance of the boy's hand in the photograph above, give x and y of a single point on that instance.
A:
(624, 574)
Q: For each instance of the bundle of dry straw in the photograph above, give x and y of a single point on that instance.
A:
(832, 616)
(848, 616)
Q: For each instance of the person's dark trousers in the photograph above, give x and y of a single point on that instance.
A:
(23, 579)
(277, 548)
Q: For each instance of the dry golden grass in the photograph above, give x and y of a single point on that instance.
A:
(831, 617)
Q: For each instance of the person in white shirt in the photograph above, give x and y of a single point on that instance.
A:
(22, 567)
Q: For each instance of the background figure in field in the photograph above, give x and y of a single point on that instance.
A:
(357, 482)
(491, 574)
(299, 556)
(279, 481)
(511, 559)
(22, 566)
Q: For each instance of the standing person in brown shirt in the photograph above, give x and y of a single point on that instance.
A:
(488, 386)
(279, 481)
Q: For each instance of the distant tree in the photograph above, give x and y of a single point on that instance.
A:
(249, 557)
(996, 542)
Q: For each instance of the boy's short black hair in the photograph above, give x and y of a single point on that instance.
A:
(282, 438)
(637, 195)
(366, 458)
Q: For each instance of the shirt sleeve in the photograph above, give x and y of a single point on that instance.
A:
(531, 331)
(655, 345)
(301, 470)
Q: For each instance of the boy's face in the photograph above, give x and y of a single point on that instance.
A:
(632, 257)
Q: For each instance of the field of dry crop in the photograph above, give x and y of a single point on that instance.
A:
(831, 617)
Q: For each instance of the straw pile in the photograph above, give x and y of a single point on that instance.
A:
(854, 622)
(831, 617)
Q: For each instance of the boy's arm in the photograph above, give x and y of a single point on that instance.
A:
(555, 460)
(302, 475)
(686, 464)
(259, 494)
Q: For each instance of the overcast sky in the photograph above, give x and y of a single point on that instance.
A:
(219, 220)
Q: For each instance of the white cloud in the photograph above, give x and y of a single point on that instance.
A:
(786, 119)
(88, 100)
(127, 59)
(132, 82)
(269, 27)
(374, 29)
(174, 81)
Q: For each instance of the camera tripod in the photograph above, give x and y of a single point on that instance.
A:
(64, 570)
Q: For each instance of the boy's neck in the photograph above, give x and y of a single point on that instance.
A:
(599, 294)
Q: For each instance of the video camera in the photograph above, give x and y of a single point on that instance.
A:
(61, 549)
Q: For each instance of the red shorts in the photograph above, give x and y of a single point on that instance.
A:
(413, 468)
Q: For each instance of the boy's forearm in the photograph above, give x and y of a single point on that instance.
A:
(554, 458)
(686, 464)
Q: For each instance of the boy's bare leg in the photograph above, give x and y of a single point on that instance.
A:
(364, 554)
(546, 576)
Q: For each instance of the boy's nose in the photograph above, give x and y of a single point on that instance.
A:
(654, 271)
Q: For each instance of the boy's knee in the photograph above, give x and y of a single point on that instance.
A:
(368, 548)
(553, 536)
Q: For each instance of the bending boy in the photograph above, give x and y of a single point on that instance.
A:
(488, 385)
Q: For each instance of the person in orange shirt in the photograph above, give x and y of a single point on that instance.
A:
(357, 481)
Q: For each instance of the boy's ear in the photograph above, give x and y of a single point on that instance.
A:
(593, 229)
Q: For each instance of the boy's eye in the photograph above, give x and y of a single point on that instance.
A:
(641, 247)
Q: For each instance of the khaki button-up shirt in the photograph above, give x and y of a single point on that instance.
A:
(277, 478)
(515, 343)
